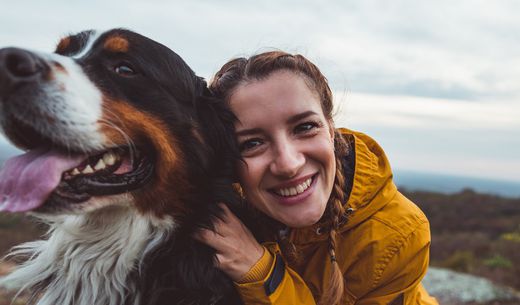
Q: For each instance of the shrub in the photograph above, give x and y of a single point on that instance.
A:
(498, 261)
(462, 261)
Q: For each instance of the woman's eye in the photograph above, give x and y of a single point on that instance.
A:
(124, 70)
(249, 144)
(306, 127)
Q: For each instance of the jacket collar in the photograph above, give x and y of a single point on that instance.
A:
(372, 188)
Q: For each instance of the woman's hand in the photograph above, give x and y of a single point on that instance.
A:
(237, 249)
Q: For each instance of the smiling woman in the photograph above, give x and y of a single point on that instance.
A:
(294, 141)
(332, 226)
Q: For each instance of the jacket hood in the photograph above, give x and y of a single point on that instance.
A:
(372, 187)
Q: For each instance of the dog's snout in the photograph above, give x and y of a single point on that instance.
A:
(18, 66)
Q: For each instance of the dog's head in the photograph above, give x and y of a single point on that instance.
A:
(110, 118)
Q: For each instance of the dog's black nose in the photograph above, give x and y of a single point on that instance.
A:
(18, 66)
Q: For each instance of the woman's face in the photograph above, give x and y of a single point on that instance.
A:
(288, 148)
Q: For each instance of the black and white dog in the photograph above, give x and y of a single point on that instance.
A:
(127, 153)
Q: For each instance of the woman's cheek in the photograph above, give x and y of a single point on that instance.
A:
(249, 175)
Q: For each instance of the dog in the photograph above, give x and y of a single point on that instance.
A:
(127, 155)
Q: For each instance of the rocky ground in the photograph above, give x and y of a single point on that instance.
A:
(450, 288)
(453, 288)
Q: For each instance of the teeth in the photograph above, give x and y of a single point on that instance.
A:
(99, 165)
(109, 158)
(292, 191)
(87, 170)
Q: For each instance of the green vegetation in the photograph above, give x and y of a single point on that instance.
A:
(498, 261)
(474, 233)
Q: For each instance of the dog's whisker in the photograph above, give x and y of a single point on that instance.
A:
(113, 115)
(131, 145)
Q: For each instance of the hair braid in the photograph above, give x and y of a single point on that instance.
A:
(334, 291)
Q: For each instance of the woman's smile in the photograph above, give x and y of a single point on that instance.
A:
(295, 192)
(288, 148)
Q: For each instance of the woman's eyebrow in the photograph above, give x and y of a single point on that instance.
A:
(300, 116)
(247, 132)
(291, 120)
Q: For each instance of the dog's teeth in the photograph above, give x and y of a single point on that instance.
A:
(88, 170)
(75, 172)
(99, 165)
(109, 158)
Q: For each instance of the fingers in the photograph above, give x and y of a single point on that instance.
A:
(228, 233)
(227, 223)
(209, 237)
(236, 248)
(227, 216)
(222, 229)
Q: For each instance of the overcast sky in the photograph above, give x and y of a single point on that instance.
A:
(437, 83)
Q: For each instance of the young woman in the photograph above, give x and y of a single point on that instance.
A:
(336, 230)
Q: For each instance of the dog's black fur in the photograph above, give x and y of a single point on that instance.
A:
(178, 270)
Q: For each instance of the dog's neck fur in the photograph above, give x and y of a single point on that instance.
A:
(88, 259)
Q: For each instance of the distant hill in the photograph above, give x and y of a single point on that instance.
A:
(450, 184)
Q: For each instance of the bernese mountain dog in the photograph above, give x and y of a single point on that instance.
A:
(127, 154)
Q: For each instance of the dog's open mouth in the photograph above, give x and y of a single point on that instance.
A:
(111, 172)
(43, 179)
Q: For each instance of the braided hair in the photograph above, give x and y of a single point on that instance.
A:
(241, 71)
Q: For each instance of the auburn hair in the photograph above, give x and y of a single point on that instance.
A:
(241, 71)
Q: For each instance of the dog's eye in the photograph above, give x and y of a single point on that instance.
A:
(124, 70)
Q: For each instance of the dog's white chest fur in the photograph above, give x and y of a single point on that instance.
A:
(88, 259)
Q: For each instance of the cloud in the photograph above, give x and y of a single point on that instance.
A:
(439, 135)
(463, 50)
(428, 113)
(436, 82)
(439, 49)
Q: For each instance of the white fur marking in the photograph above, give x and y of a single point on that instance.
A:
(92, 38)
(89, 258)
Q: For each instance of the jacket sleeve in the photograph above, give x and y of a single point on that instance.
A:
(400, 271)
(281, 285)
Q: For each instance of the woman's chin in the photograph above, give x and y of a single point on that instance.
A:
(302, 222)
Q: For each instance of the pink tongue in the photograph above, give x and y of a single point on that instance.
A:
(27, 180)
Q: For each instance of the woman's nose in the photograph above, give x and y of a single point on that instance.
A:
(287, 161)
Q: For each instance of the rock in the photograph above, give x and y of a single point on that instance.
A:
(450, 287)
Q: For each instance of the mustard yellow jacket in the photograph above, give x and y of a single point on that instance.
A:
(383, 249)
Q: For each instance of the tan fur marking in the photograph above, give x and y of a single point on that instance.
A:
(116, 44)
(60, 68)
(63, 44)
(144, 129)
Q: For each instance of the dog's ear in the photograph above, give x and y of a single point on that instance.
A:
(217, 125)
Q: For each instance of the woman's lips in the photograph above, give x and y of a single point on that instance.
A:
(296, 191)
